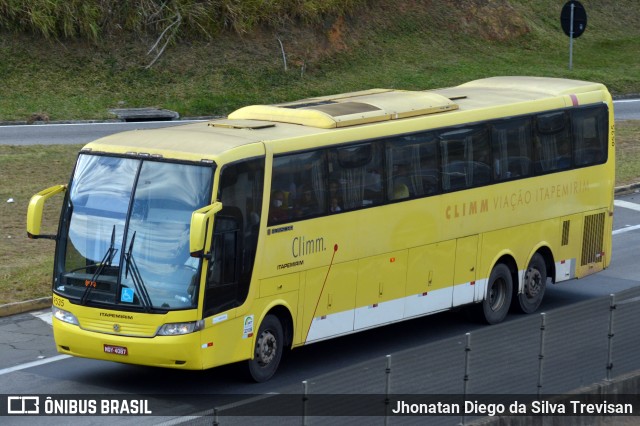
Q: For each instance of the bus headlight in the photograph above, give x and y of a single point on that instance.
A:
(179, 328)
(64, 316)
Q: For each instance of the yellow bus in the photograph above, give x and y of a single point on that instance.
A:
(281, 225)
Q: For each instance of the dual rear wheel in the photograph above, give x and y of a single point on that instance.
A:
(534, 285)
(500, 294)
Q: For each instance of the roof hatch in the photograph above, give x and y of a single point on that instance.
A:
(349, 109)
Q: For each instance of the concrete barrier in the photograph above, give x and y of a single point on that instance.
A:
(27, 306)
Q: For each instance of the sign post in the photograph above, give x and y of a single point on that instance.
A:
(573, 19)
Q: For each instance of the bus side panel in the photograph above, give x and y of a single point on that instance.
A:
(429, 279)
(381, 288)
(465, 270)
(228, 338)
(570, 229)
(330, 299)
(224, 341)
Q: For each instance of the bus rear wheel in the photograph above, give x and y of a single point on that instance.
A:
(533, 287)
(268, 349)
(495, 305)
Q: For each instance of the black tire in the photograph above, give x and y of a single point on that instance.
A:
(496, 304)
(268, 349)
(534, 285)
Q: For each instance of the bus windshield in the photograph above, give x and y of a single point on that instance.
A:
(125, 234)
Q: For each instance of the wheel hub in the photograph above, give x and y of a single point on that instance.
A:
(532, 283)
(266, 348)
(497, 295)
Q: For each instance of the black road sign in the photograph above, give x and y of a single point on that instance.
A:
(579, 18)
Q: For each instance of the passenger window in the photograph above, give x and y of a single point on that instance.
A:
(356, 174)
(412, 166)
(298, 187)
(512, 149)
(590, 129)
(466, 158)
(552, 143)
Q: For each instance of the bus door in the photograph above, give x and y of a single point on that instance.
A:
(464, 278)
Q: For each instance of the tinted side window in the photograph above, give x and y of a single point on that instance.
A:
(511, 142)
(235, 236)
(590, 130)
(466, 158)
(356, 173)
(412, 166)
(552, 142)
(298, 187)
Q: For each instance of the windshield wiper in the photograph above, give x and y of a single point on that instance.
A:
(106, 261)
(138, 283)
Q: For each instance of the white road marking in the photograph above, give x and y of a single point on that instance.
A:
(33, 364)
(45, 316)
(627, 205)
(627, 229)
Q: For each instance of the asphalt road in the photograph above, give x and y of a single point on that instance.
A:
(626, 109)
(71, 133)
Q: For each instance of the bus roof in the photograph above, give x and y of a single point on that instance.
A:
(238, 134)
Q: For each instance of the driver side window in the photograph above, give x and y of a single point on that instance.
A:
(235, 236)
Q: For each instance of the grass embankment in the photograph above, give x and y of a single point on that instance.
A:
(210, 70)
(417, 44)
(26, 265)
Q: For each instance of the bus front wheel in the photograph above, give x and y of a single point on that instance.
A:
(535, 280)
(498, 297)
(268, 349)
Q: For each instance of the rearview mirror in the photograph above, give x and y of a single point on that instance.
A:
(200, 224)
(34, 212)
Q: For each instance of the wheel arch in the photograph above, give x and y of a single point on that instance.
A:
(544, 250)
(547, 254)
(509, 260)
(283, 313)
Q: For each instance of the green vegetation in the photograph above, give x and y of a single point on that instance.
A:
(234, 57)
(74, 59)
(96, 19)
(26, 265)
(627, 152)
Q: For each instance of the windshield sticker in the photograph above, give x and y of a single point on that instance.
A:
(127, 295)
(248, 327)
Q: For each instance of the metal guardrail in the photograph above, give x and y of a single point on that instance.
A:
(540, 356)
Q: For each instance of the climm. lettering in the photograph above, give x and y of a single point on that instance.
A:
(301, 246)
(467, 209)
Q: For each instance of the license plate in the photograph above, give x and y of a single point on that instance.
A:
(116, 350)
